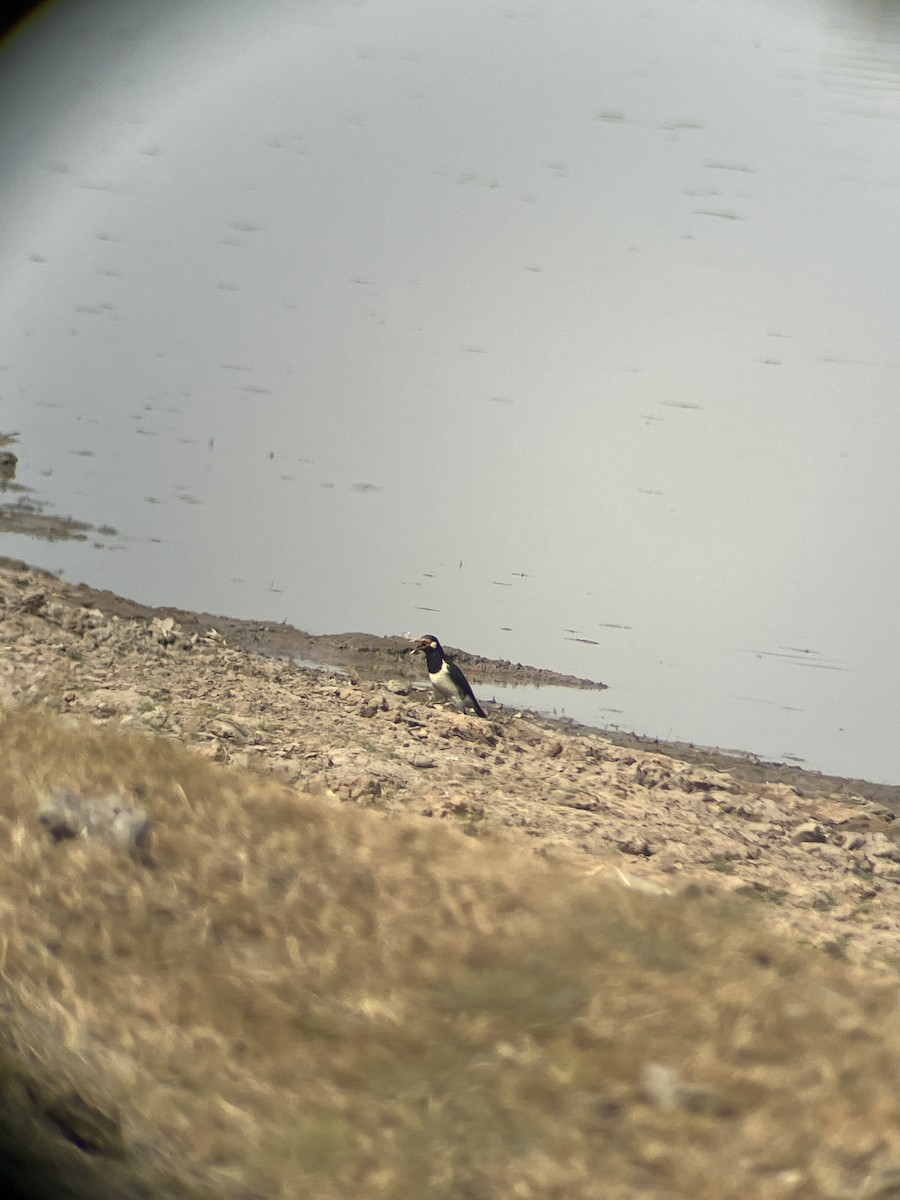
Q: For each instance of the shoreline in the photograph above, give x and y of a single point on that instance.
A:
(373, 658)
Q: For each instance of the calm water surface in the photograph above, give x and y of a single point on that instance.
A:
(567, 332)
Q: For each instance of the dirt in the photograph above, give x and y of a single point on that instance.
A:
(822, 855)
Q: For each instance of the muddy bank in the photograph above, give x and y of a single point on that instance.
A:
(369, 657)
(365, 655)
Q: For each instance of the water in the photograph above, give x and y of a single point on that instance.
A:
(564, 331)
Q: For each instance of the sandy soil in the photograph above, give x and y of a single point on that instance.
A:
(821, 855)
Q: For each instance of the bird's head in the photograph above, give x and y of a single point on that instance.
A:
(427, 642)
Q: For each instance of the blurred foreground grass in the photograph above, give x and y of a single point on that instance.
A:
(297, 999)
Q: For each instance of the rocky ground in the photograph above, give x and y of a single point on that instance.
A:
(821, 856)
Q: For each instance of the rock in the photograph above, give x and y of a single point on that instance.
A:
(108, 819)
(835, 855)
(360, 789)
(850, 841)
(462, 808)
(164, 630)
(883, 868)
(653, 773)
(673, 857)
(109, 702)
(708, 781)
(879, 845)
(155, 718)
(762, 809)
(809, 831)
(572, 799)
(33, 602)
(781, 793)
(636, 845)
(531, 734)
(227, 727)
(214, 751)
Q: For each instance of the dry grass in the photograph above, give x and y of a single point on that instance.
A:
(295, 999)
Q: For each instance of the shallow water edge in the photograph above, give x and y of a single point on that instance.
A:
(369, 656)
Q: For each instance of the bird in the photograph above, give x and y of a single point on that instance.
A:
(446, 678)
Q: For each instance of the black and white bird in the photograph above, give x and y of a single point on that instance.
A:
(446, 678)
